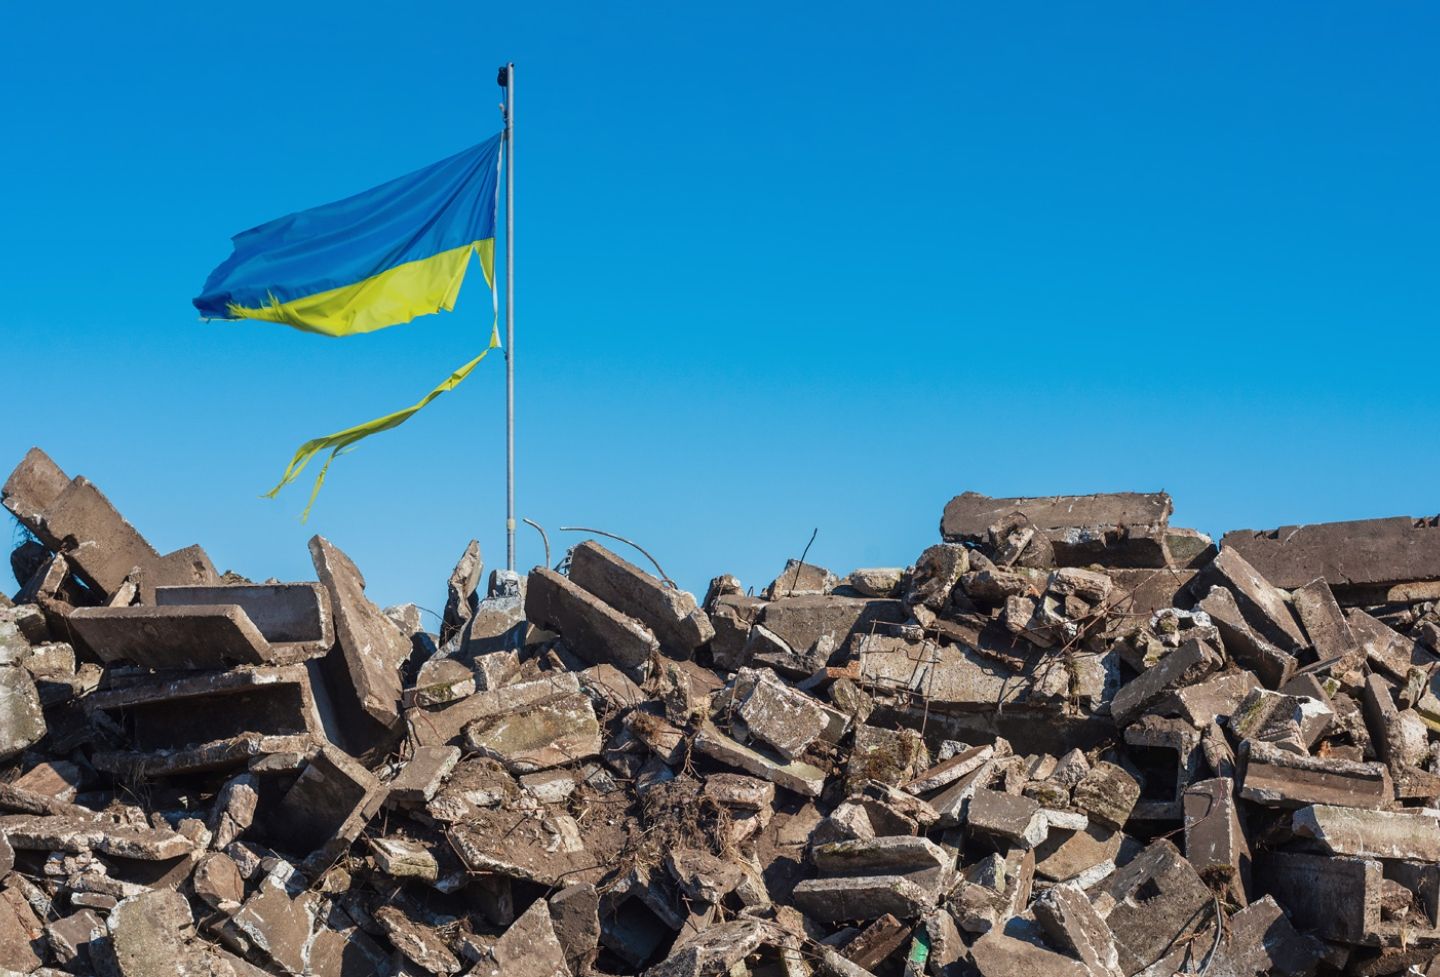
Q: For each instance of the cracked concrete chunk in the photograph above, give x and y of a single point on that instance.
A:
(671, 614)
(22, 722)
(1263, 605)
(421, 944)
(529, 948)
(22, 934)
(294, 618)
(787, 720)
(1371, 834)
(371, 648)
(200, 637)
(593, 629)
(802, 778)
(72, 834)
(548, 733)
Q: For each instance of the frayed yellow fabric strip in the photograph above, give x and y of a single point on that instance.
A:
(342, 441)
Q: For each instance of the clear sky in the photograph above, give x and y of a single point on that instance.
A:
(782, 266)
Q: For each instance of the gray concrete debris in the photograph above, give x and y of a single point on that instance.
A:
(1364, 555)
(461, 600)
(672, 615)
(73, 516)
(800, 580)
(173, 637)
(949, 769)
(1072, 923)
(22, 721)
(364, 671)
(591, 628)
(529, 948)
(294, 618)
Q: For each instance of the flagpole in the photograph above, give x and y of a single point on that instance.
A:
(508, 76)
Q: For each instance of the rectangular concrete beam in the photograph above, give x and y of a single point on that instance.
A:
(592, 629)
(172, 637)
(1276, 777)
(1336, 898)
(669, 612)
(1363, 552)
(1371, 834)
(286, 613)
(1123, 529)
(208, 721)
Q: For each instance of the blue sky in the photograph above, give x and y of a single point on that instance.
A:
(781, 267)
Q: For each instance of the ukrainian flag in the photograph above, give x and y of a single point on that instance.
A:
(377, 259)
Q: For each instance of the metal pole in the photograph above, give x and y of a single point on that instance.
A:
(510, 316)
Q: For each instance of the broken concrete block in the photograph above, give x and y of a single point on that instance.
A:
(802, 778)
(1107, 794)
(73, 834)
(1262, 941)
(422, 774)
(787, 720)
(278, 926)
(1073, 925)
(802, 622)
(1008, 817)
(329, 805)
(547, 849)
(198, 637)
(461, 600)
(575, 917)
(1215, 842)
(1262, 604)
(1325, 623)
(1272, 717)
(1186, 665)
(1411, 834)
(1336, 898)
(876, 581)
(208, 720)
(73, 516)
(294, 618)
(1153, 901)
(876, 943)
(1166, 753)
(861, 897)
(998, 955)
(234, 810)
(1216, 698)
(891, 756)
(22, 934)
(1244, 643)
(364, 672)
(72, 938)
(800, 580)
(1276, 777)
(218, 882)
(1361, 554)
(936, 572)
(529, 948)
(548, 733)
(22, 722)
(150, 933)
(441, 726)
(918, 859)
(420, 944)
(593, 630)
(1123, 529)
(671, 614)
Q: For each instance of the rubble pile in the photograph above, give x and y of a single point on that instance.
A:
(1071, 739)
